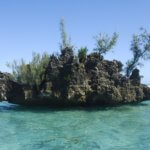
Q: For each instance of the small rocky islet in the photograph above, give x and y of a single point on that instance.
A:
(71, 82)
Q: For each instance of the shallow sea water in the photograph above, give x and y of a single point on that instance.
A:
(118, 128)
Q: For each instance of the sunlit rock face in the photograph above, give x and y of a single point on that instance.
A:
(67, 81)
(94, 82)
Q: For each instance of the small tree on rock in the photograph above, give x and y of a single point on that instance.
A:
(104, 43)
(65, 41)
(140, 48)
(82, 54)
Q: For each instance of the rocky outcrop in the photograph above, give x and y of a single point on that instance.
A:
(94, 82)
(70, 82)
(135, 77)
(10, 90)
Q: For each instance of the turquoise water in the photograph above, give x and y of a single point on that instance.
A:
(118, 128)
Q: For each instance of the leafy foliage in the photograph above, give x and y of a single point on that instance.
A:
(104, 43)
(82, 54)
(65, 41)
(31, 73)
(140, 47)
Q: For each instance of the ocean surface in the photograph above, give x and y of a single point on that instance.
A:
(118, 128)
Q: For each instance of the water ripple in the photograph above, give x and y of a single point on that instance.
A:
(118, 128)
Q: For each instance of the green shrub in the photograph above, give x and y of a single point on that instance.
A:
(82, 54)
(31, 73)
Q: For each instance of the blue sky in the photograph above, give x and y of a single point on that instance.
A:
(33, 25)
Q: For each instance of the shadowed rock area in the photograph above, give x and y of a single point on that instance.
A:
(68, 82)
(10, 90)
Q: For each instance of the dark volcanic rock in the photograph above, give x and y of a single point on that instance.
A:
(10, 90)
(135, 77)
(146, 91)
(94, 82)
(70, 82)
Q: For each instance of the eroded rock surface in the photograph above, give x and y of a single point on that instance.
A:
(95, 82)
(10, 90)
(70, 82)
